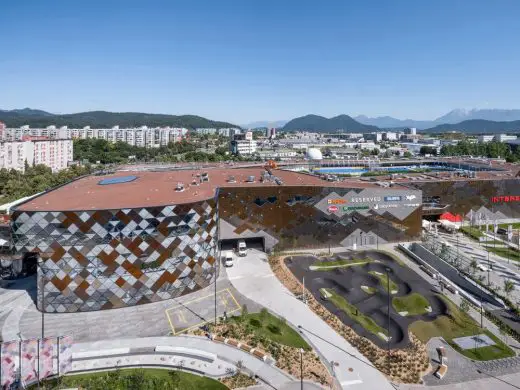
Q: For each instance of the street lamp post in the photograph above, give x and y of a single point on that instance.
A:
(39, 263)
(388, 323)
(301, 368)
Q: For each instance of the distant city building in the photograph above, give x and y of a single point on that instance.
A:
(485, 138)
(142, 136)
(56, 154)
(390, 136)
(270, 133)
(243, 144)
(376, 137)
(410, 131)
(504, 137)
(277, 154)
(229, 132)
(203, 131)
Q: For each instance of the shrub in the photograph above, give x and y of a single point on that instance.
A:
(274, 329)
(256, 323)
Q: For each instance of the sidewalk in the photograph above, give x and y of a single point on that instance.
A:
(141, 353)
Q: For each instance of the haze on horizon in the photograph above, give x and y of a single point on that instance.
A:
(245, 61)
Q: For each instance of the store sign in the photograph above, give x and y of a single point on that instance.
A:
(505, 199)
(366, 200)
(393, 198)
(336, 201)
(354, 208)
(386, 206)
(333, 209)
(411, 204)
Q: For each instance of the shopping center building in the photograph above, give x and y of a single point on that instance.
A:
(129, 238)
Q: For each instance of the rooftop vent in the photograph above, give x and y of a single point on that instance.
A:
(180, 187)
(204, 177)
(250, 179)
(231, 179)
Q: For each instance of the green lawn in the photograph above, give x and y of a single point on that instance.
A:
(147, 378)
(319, 265)
(414, 304)
(393, 256)
(506, 225)
(458, 324)
(472, 232)
(506, 253)
(368, 289)
(273, 328)
(384, 282)
(342, 304)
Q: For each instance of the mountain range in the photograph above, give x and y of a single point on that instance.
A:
(320, 123)
(104, 119)
(452, 117)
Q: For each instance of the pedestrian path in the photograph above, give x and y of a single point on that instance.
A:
(140, 352)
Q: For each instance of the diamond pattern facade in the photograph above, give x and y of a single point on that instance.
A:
(104, 259)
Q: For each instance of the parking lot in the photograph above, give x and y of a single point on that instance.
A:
(197, 312)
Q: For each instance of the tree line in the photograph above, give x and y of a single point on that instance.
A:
(16, 184)
(489, 149)
(93, 150)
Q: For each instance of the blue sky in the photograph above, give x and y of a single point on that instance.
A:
(245, 60)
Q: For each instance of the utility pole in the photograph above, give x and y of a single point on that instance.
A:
(301, 368)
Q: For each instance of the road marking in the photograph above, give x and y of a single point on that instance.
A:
(180, 310)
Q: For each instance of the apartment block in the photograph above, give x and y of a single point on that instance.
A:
(55, 154)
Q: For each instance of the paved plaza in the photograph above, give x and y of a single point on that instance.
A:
(20, 316)
(195, 313)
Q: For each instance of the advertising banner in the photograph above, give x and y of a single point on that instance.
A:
(65, 354)
(29, 362)
(9, 360)
(47, 357)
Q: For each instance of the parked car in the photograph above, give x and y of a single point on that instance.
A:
(242, 248)
(228, 259)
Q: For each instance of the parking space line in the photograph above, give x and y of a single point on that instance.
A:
(224, 301)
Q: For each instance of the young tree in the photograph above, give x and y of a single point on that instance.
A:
(464, 306)
(508, 287)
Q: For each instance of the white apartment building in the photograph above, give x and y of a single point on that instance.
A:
(504, 137)
(390, 136)
(55, 154)
(376, 137)
(143, 136)
(203, 131)
(229, 132)
(485, 138)
(243, 147)
(275, 154)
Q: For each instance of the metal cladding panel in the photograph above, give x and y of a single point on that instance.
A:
(306, 216)
(104, 259)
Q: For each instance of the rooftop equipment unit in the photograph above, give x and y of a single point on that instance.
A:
(250, 179)
(180, 187)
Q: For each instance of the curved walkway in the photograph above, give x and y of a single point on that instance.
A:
(141, 352)
(252, 277)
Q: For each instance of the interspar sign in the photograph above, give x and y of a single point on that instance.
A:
(505, 199)
(336, 201)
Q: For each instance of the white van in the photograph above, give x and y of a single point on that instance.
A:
(242, 248)
(228, 259)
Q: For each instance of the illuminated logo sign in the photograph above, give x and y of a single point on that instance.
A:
(387, 206)
(411, 197)
(332, 209)
(336, 201)
(412, 204)
(505, 199)
(393, 198)
(354, 208)
(367, 200)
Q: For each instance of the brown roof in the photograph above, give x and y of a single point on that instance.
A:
(158, 188)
